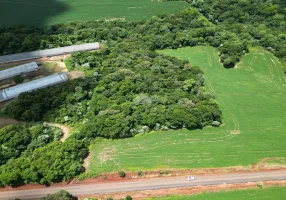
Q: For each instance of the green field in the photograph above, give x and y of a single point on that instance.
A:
(272, 193)
(44, 12)
(252, 98)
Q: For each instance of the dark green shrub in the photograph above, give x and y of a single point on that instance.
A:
(122, 174)
(128, 197)
(140, 173)
(18, 79)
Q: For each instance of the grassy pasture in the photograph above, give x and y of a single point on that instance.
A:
(252, 98)
(271, 193)
(45, 12)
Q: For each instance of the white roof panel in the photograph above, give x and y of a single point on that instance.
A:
(7, 73)
(49, 52)
(15, 91)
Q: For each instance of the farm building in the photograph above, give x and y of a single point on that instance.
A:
(15, 91)
(8, 73)
(49, 52)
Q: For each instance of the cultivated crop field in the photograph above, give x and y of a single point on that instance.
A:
(45, 12)
(252, 97)
(277, 193)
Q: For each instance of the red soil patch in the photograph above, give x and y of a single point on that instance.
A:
(114, 177)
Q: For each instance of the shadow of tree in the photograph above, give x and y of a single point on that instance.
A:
(29, 12)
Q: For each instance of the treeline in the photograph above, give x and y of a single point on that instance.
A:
(34, 154)
(128, 93)
(16, 139)
(130, 89)
(216, 26)
(256, 12)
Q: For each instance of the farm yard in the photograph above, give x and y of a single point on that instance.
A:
(174, 92)
(252, 99)
(45, 69)
(46, 12)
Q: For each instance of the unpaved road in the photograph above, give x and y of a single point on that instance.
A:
(152, 184)
(65, 129)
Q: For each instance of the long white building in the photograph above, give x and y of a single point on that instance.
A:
(15, 91)
(49, 52)
(14, 71)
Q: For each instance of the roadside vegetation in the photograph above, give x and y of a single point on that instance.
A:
(277, 193)
(131, 89)
(33, 154)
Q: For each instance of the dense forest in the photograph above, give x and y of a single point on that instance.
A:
(129, 89)
(34, 154)
(231, 26)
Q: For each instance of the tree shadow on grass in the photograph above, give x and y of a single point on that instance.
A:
(29, 12)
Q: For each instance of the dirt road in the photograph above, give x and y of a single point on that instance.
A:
(65, 129)
(152, 184)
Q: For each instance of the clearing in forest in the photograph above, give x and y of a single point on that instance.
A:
(252, 98)
(46, 12)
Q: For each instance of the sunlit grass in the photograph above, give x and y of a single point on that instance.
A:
(271, 193)
(252, 97)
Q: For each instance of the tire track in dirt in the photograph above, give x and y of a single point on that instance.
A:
(65, 129)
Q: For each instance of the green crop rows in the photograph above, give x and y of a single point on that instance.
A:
(252, 98)
(277, 193)
(45, 12)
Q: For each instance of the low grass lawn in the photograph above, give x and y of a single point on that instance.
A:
(252, 98)
(271, 193)
(46, 12)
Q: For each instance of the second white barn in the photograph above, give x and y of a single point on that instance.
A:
(15, 91)
(14, 71)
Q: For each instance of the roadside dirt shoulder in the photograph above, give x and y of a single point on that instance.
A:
(185, 191)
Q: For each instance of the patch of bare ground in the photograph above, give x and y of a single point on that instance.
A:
(75, 74)
(186, 191)
(38, 60)
(114, 177)
(235, 132)
(7, 121)
(65, 129)
(86, 161)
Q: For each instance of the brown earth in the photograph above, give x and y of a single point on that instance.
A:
(185, 191)
(65, 129)
(112, 177)
(7, 121)
(75, 74)
(86, 161)
(38, 60)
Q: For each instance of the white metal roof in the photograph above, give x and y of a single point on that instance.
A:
(7, 73)
(49, 52)
(15, 91)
